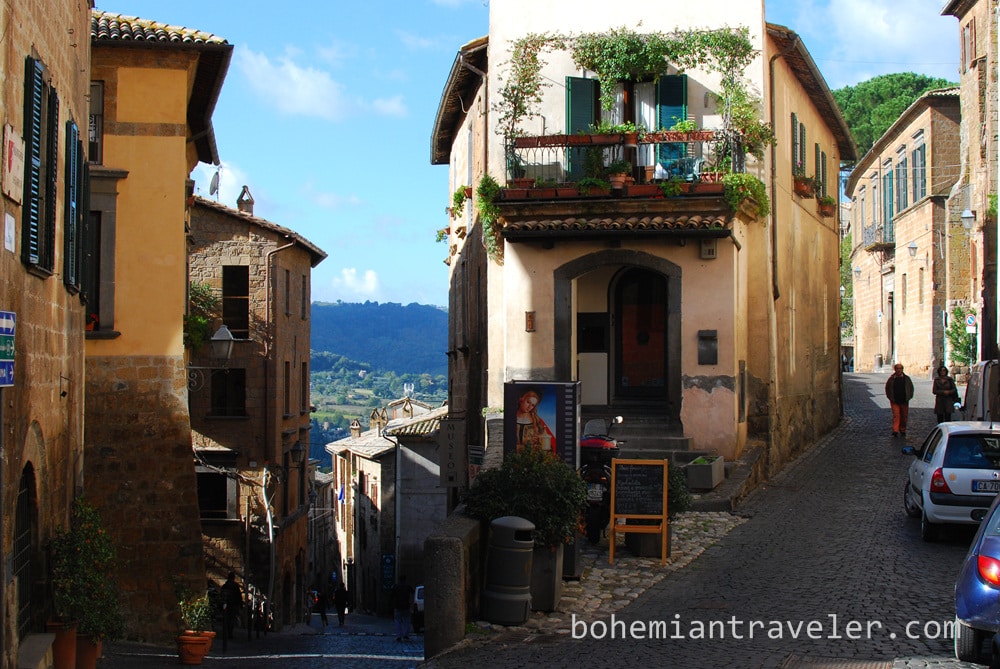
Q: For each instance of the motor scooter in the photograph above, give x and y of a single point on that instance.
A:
(596, 452)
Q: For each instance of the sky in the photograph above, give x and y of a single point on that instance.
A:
(327, 110)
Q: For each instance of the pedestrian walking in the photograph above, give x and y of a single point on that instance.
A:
(899, 390)
(321, 605)
(402, 595)
(945, 395)
(340, 600)
(232, 602)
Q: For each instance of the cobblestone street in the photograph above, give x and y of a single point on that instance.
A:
(819, 568)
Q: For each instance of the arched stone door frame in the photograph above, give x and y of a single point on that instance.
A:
(564, 312)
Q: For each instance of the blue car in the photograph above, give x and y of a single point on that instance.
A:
(977, 593)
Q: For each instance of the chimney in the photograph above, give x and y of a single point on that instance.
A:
(355, 429)
(245, 201)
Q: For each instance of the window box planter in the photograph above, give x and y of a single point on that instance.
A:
(705, 472)
(643, 190)
(803, 187)
(544, 193)
(826, 209)
(521, 182)
(515, 193)
(567, 191)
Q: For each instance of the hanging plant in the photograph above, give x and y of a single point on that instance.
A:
(458, 202)
(521, 90)
(487, 193)
(622, 55)
(739, 187)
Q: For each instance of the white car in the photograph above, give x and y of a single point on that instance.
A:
(417, 619)
(954, 476)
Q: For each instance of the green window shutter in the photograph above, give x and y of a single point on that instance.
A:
(671, 107)
(71, 226)
(802, 148)
(823, 173)
(795, 143)
(816, 160)
(581, 112)
(34, 86)
(52, 181)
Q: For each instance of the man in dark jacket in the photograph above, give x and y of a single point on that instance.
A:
(402, 596)
(899, 390)
(232, 602)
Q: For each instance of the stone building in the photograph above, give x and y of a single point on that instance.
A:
(969, 203)
(390, 500)
(152, 91)
(687, 315)
(910, 258)
(250, 411)
(46, 70)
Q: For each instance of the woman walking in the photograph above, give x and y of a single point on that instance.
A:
(945, 395)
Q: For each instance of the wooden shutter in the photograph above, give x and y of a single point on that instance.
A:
(795, 142)
(671, 106)
(581, 111)
(34, 86)
(47, 251)
(71, 216)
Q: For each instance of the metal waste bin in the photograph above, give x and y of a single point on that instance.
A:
(878, 361)
(506, 598)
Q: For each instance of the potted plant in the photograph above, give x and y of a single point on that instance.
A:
(705, 472)
(458, 200)
(195, 638)
(487, 193)
(593, 186)
(804, 186)
(739, 188)
(617, 172)
(535, 485)
(84, 591)
(827, 205)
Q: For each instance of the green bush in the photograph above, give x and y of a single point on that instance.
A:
(963, 344)
(535, 485)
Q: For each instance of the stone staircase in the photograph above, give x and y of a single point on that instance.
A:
(645, 435)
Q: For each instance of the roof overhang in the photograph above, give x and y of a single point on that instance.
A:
(467, 74)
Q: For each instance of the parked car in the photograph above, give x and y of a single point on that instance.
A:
(954, 476)
(982, 394)
(977, 593)
(417, 618)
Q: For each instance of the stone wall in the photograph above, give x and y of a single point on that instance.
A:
(139, 472)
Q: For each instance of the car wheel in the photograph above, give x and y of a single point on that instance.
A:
(928, 530)
(912, 510)
(967, 642)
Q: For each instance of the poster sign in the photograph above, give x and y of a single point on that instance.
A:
(13, 163)
(452, 455)
(543, 414)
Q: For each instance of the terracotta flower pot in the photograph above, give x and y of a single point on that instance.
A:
(64, 646)
(87, 652)
(192, 647)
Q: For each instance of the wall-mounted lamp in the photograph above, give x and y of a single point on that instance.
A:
(222, 343)
(857, 271)
(843, 291)
(912, 248)
(297, 453)
(529, 321)
(968, 218)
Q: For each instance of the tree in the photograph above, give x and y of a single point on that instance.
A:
(870, 107)
(847, 303)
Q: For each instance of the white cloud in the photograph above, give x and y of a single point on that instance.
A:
(294, 89)
(414, 41)
(393, 106)
(351, 285)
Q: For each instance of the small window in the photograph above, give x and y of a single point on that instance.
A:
(304, 390)
(288, 388)
(95, 132)
(288, 292)
(236, 300)
(305, 296)
(229, 392)
(217, 496)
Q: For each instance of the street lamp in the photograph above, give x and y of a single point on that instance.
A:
(912, 248)
(968, 218)
(222, 343)
(842, 291)
(297, 453)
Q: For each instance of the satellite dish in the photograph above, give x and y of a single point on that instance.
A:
(213, 188)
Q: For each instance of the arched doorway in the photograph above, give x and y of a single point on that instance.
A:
(640, 335)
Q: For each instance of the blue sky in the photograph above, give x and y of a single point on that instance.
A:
(327, 110)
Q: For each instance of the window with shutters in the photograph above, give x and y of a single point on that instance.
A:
(652, 105)
(902, 189)
(918, 156)
(229, 392)
(887, 199)
(76, 208)
(95, 129)
(41, 137)
(798, 135)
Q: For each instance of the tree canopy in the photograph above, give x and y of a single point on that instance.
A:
(870, 107)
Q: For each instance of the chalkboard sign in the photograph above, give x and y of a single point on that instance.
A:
(639, 488)
(639, 493)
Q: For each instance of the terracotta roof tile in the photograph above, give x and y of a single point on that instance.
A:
(713, 221)
(105, 26)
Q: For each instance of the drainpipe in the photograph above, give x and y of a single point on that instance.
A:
(774, 173)
(397, 497)
(267, 412)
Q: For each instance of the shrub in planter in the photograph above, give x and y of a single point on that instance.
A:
(535, 485)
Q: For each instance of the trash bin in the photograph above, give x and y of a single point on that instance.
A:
(506, 598)
(878, 361)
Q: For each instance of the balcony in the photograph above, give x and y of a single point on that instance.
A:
(583, 165)
(879, 238)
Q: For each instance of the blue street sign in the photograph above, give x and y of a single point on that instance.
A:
(6, 373)
(8, 320)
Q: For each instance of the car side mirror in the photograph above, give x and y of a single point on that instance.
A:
(908, 450)
(959, 407)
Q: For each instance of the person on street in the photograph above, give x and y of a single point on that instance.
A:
(232, 602)
(340, 599)
(321, 605)
(402, 595)
(945, 395)
(899, 390)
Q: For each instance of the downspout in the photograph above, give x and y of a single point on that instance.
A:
(267, 414)
(776, 293)
(397, 499)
